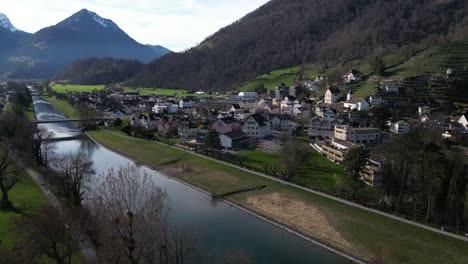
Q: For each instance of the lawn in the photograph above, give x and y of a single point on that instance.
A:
(29, 113)
(361, 89)
(64, 88)
(27, 198)
(64, 106)
(317, 171)
(371, 234)
(275, 78)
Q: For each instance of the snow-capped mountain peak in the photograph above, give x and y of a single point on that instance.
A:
(100, 20)
(5, 23)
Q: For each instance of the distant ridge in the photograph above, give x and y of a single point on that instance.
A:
(84, 34)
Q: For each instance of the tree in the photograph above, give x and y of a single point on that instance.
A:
(212, 140)
(73, 171)
(378, 66)
(42, 145)
(379, 116)
(10, 174)
(131, 214)
(354, 162)
(292, 157)
(48, 234)
(86, 113)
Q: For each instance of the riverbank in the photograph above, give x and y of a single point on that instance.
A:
(349, 229)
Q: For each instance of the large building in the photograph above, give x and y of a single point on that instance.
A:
(362, 135)
(257, 126)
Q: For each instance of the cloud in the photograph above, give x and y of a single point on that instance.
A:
(176, 24)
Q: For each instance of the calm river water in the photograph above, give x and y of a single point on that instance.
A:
(218, 226)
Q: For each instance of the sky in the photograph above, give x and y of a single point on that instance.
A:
(174, 24)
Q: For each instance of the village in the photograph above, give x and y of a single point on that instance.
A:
(332, 124)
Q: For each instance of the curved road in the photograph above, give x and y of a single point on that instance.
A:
(311, 191)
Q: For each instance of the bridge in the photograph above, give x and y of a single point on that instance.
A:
(50, 121)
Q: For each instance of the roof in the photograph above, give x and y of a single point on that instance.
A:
(354, 100)
(280, 117)
(235, 134)
(261, 121)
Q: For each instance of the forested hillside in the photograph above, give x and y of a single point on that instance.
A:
(91, 71)
(285, 33)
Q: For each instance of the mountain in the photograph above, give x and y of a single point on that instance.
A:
(159, 50)
(84, 34)
(10, 37)
(286, 33)
(93, 71)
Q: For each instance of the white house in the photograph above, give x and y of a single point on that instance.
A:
(391, 88)
(250, 95)
(424, 110)
(160, 108)
(185, 103)
(323, 127)
(400, 127)
(312, 86)
(280, 122)
(332, 95)
(359, 104)
(352, 76)
(463, 120)
(257, 125)
(374, 100)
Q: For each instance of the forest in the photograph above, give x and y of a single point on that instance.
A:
(285, 33)
(91, 71)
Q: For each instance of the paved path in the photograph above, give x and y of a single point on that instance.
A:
(311, 191)
(87, 251)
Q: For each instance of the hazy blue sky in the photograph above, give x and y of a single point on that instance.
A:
(175, 24)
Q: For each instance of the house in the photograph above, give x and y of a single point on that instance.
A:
(352, 103)
(463, 120)
(248, 95)
(332, 95)
(352, 76)
(226, 125)
(295, 90)
(280, 91)
(234, 140)
(280, 122)
(257, 126)
(362, 135)
(392, 88)
(325, 112)
(236, 108)
(374, 100)
(372, 173)
(400, 127)
(185, 103)
(312, 86)
(424, 110)
(336, 151)
(160, 108)
(323, 127)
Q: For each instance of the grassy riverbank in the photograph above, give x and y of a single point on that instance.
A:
(27, 198)
(350, 229)
(64, 106)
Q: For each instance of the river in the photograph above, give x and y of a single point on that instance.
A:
(219, 227)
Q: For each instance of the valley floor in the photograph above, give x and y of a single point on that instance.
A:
(360, 233)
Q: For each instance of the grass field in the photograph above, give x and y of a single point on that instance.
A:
(64, 106)
(27, 198)
(317, 171)
(76, 88)
(275, 78)
(371, 234)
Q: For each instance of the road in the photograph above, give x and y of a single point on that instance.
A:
(394, 217)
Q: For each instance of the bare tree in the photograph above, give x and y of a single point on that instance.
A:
(86, 113)
(131, 214)
(10, 175)
(73, 171)
(42, 145)
(48, 234)
(292, 157)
